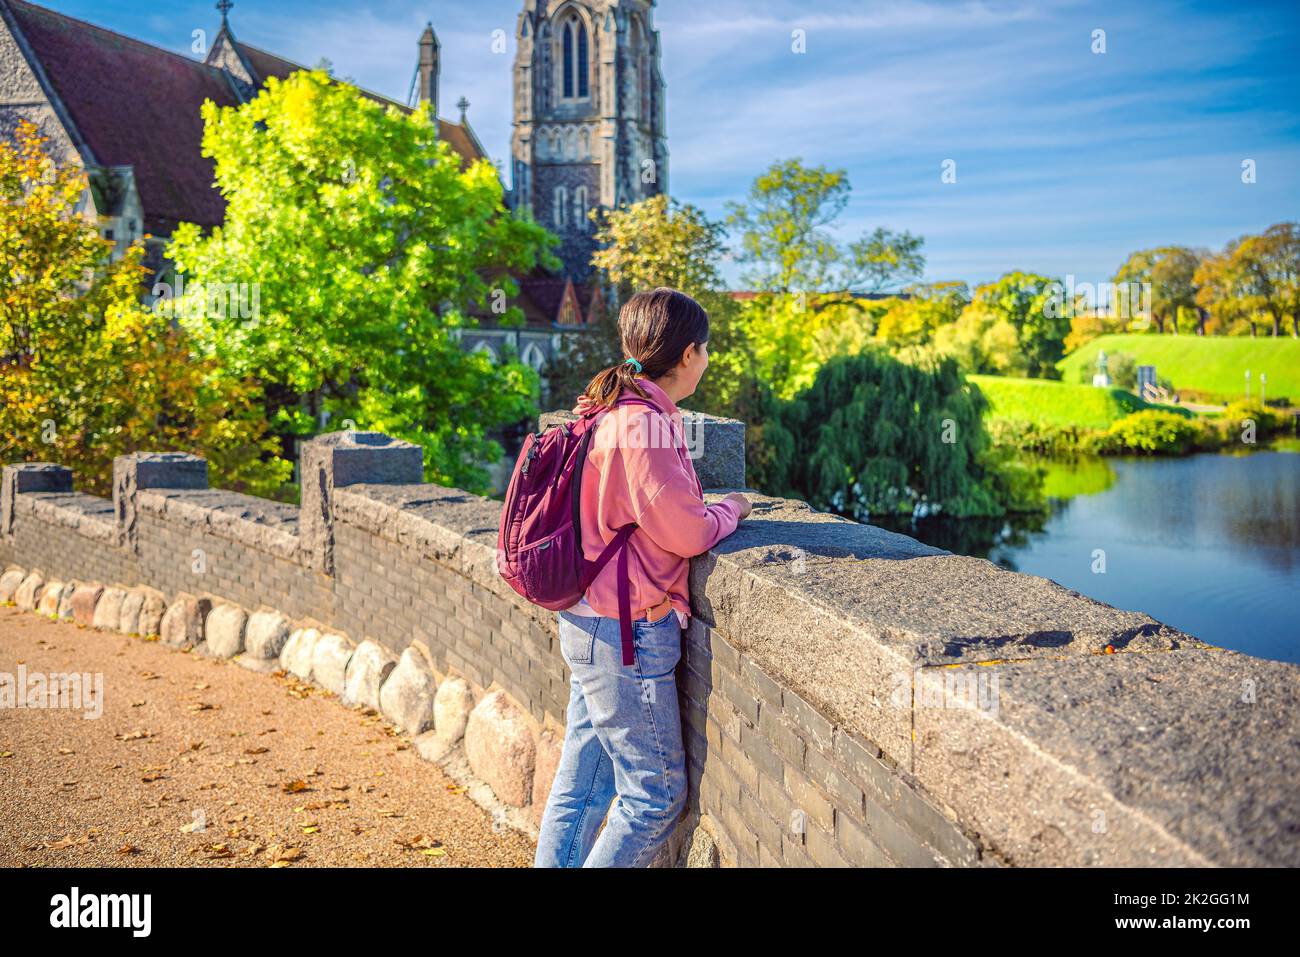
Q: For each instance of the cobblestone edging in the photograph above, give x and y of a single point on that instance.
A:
(481, 741)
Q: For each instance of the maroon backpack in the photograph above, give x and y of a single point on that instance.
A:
(539, 543)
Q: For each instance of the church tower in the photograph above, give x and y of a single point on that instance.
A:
(589, 116)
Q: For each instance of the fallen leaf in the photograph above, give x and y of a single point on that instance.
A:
(68, 842)
(419, 842)
(294, 787)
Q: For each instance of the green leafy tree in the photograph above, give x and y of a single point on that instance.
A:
(884, 260)
(791, 336)
(1014, 326)
(659, 242)
(368, 245)
(1255, 276)
(1171, 272)
(782, 226)
(914, 320)
(87, 372)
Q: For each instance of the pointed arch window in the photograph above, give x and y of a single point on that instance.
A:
(559, 207)
(580, 209)
(582, 60)
(574, 57)
(568, 59)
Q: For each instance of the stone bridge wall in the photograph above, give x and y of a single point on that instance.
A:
(850, 696)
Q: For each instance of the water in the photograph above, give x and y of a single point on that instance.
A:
(1209, 544)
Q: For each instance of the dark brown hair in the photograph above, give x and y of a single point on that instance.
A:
(655, 327)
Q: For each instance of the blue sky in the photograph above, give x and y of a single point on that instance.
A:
(1066, 159)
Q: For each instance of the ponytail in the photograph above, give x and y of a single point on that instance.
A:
(607, 386)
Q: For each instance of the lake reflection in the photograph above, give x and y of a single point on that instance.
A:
(1209, 544)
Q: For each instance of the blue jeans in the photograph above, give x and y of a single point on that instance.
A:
(622, 744)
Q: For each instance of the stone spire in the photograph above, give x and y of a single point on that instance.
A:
(428, 69)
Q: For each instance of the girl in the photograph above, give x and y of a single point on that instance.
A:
(623, 740)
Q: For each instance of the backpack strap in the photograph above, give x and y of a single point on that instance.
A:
(617, 543)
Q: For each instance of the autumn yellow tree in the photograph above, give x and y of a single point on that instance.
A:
(86, 371)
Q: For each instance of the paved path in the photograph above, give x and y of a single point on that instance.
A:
(277, 773)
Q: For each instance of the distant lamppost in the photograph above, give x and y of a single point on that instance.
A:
(1263, 389)
(1247, 385)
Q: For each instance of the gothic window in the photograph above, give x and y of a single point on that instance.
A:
(640, 79)
(580, 208)
(643, 74)
(534, 357)
(568, 59)
(582, 60)
(545, 73)
(559, 204)
(574, 55)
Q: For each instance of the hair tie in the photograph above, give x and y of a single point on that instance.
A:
(633, 362)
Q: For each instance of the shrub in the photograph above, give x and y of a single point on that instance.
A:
(1151, 431)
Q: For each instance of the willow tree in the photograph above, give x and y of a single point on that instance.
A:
(369, 247)
(875, 435)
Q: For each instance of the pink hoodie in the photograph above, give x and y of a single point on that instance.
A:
(638, 470)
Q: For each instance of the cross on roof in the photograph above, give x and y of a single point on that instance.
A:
(223, 6)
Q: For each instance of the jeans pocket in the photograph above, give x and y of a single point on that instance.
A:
(658, 645)
(576, 640)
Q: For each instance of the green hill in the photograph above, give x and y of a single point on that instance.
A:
(1213, 366)
(1048, 402)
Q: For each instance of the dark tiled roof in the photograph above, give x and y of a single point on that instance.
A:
(546, 295)
(134, 105)
(266, 65)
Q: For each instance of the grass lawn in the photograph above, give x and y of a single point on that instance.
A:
(1048, 402)
(1214, 366)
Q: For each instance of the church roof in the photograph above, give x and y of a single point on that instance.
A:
(266, 64)
(543, 300)
(134, 104)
